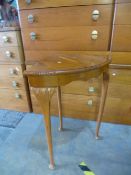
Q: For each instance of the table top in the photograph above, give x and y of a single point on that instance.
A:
(65, 64)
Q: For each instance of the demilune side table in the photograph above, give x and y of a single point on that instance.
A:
(52, 73)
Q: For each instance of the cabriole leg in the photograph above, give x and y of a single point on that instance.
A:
(102, 101)
(43, 96)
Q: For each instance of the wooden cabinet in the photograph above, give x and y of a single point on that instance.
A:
(14, 92)
(82, 27)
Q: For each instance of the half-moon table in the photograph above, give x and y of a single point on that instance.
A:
(52, 73)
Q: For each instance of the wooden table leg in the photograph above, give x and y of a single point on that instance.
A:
(60, 107)
(43, 96)
(102, 101)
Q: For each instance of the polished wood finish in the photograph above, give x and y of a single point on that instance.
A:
(123, 1)
(5, 71)
(120, 76)
(17, 55)
(71, 16)
(119, 90)
(123, 58)
(83, 87)
(57, 3)
(78, 67)
(67, 38)
(14, 39)
(118, 95)
(102, 101)
(123, 14)
(122, 38)
(9, 100)
(8, 83)
(44, 97)
(75, 106)
(119, 111)
(60, 107)
(45, 76)
(14, 93)
(40, 55)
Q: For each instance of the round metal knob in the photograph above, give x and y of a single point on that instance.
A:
(94, 34)
(91, 89)
(95, 15)
(28, 2)
(8, 54)
(12, 71)
(33, 36)
(5, 39)
(114, 74)
(15, 84)
(17, 95)
(31, 19)
(90, 102)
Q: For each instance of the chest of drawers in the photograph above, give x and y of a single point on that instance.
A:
(14, 93)
(51, 28)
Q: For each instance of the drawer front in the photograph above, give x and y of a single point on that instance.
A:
(117, 110)
(11, 55)
(82, 110)
(121, 76)
(90, 87)
(118, 90)
(13, 100)
(67, 38)
(11, 82)
(71, 16)
(76, 106)
(123, 1)
(33, 56)
(10, 39)
(122, 38)
(10, 71)
(121, 58)
(30, 4)
(123, 14)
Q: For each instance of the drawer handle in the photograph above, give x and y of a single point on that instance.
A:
(28, 2)
(33, 36)
(90, 102)
(94, 34)
(91, 89)
(31, 19)
(5, 39)
(95, 15)
(15, 84)
(113, 74)
(12, 71)
(8, 54)
(17, 96)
